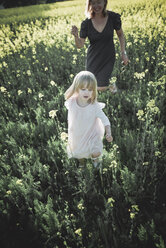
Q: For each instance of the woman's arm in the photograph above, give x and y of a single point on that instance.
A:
(121, 37)
(78, 41)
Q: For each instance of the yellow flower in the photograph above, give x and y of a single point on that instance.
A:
(78, 231)
(104, 170)
(115, 146)
(145, 163)
(28, 72)
(113, 80)
(64, 136)
(19, 182)
(152, 107)
(4, 64)
(71, 76)
(113, 164)
(140, 115)
(151, 103)
(132, 215)
(8, 192)
(19, 92)
(135, 208)
(3, 89)
(110, 201)
(140, 75)
(157, 154)
(80, 206)
(40, 95)
(53, 83)
(29, 91)
(52, 113)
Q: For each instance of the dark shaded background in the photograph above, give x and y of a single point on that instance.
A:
(19, 3)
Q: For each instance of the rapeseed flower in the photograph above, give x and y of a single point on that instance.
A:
(80, 206)
(78, 231)
(29, 91)
(3, 89)
(64, 136)
(19, 182)
(8, 192)
(52, 113)
(19, 92)
(41, 96)
(53, 83)
(140, 115)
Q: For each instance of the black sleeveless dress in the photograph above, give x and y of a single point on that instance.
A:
(101, 51)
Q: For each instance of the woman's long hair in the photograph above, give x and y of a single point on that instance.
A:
(90, 13)
(81, 80)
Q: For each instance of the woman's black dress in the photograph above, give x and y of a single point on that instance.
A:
(101, 51)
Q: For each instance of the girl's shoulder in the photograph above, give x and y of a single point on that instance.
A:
(68, 103)
(99, 105)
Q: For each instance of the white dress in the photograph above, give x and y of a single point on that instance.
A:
(86, 127)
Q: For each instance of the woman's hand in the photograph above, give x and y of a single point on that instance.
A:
(78, 41)
(125, 59)
(121, 38)
(74, 31)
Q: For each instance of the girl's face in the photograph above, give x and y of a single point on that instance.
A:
(85, 94)
(97, 6)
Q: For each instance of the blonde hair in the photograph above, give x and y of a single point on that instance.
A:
(90, 13)
(81, 80)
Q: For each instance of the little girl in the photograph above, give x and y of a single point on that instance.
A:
(86, 120)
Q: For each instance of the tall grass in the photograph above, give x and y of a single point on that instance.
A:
(46, 199)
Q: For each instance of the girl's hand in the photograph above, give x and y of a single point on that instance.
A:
(74, 31)
(109, 137)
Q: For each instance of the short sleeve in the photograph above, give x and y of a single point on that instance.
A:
(101, 105)
(116, 18)
(84, 29)
(68, 103)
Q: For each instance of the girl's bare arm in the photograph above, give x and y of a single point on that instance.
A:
(108, 134)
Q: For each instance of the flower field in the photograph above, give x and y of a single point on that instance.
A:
(46, 200)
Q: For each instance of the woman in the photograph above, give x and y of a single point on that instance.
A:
(99, 28)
